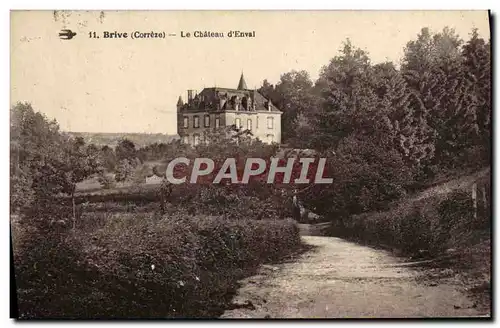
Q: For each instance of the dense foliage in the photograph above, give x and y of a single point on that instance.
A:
(392, 129)
(141, 266)
(120, 257)
(386, 130)
(427, 226)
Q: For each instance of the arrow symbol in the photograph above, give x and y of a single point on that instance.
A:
(66, 34)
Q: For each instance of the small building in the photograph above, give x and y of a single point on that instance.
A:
(154, 179)
(216, 107)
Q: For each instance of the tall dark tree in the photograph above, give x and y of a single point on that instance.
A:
(292, 95)
(477, 63)
(418, 67)
(362, 125)
(348, 102)
(433, 68)
(268, 91)
(403, 130)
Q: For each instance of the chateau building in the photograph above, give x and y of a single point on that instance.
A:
(214, 108)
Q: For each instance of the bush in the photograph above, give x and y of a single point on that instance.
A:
(51, 278)
(107, 181)
(253, 201)
(109, 272)
(428, 226)
(366, 178)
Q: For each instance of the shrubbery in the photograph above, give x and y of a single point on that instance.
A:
(109, 272)
(366, 177)
(427, 226)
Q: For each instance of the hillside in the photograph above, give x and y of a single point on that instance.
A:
(112, 139)
(463, 183)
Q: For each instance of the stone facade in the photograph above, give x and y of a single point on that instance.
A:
(215, 108)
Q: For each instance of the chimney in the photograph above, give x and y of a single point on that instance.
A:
(190, 95)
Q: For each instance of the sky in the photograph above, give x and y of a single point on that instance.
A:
(132, 85)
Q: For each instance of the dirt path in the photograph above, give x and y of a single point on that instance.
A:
(341, 279)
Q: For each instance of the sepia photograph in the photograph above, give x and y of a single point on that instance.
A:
(251, 164)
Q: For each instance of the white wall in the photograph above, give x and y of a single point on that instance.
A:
(259, 125)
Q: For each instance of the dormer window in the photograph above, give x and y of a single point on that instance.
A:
(244, 103)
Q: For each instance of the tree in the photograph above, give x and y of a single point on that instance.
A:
(477, 63)
(418, 67)
(403, 128)
(304, 128)
(268, 91)
(366, 177)
(349, 101)
(45, 163)
(293, 95)
(35, 149)
(80, 162)
(107, 158)
(434, 71)
(366, 123)
(124, 170)
(125, 150)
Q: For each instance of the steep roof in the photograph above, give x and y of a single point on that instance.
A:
(217, 97)
(261, 101)
(242, 85)
(180, 102)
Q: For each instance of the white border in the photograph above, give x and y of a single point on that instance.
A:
(187, 4)
(255, 4)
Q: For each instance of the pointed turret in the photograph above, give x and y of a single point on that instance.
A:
(180, 103)
(242, 85)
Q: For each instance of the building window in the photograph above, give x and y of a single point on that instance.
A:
(186, 122)
(185, 140)
(196, 139)
(196, 122)
(270, 138)
(217, 122)
(257, 122)
(249, 124)
(237, 122)
(270, 122)
(207, 121)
